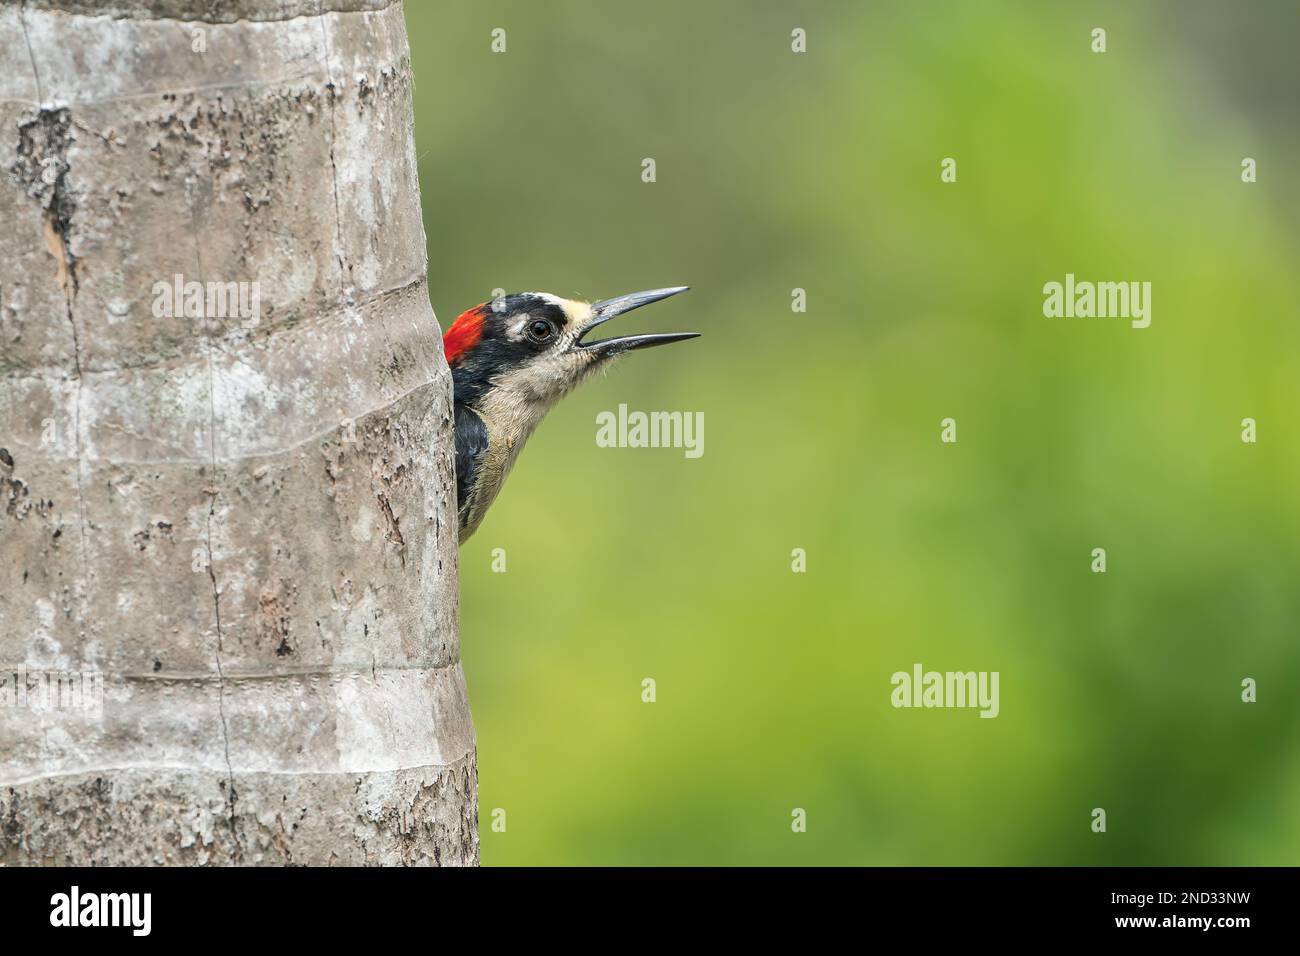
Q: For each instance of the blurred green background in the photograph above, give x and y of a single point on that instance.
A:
(820, 170)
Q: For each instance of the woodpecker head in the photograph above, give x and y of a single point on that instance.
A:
(512, 359)
(526, 351)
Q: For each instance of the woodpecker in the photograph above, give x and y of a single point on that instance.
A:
(511, 360)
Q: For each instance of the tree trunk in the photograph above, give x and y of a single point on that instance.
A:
(227, 516)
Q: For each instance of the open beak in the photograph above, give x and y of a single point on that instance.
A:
(602, 312)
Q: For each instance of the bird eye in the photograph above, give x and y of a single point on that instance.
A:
(539, 330)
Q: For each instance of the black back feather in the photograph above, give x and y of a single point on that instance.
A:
(471, 443)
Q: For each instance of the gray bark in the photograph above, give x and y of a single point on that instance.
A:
(237, 533)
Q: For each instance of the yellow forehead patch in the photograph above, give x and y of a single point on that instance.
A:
(577, 312)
